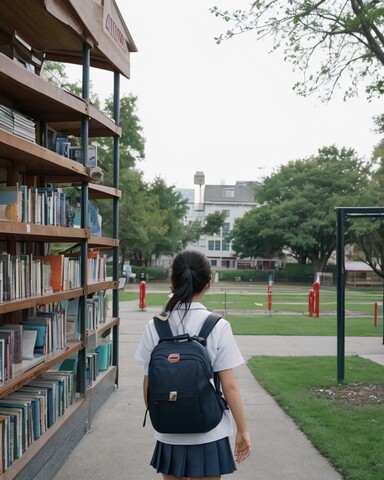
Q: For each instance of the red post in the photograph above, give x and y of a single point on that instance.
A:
(316, 288)
(143, 289)
(311, 302)
(375, 314)
(269, 297)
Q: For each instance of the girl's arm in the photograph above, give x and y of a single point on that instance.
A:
(235, 403)
(145, 390)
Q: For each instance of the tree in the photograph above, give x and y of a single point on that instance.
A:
(213, 222)
(368, 233)
(252, 235)
(55, 72)
(173, 208)
(298, 204)
(324, 39)
(191, 233)
(132, 140)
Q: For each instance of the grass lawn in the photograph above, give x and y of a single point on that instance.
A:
(248, 314)
(348, 433)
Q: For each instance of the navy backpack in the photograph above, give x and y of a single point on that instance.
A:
(183, 391)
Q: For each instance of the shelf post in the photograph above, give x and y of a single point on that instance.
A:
(84, 215)
(116, 250)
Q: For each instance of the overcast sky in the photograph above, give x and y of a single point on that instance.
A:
(227, 110)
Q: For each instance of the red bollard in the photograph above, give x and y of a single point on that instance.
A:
(143, 288)
(316, 288)
(269, 298)
(375, 308)
(311, 302)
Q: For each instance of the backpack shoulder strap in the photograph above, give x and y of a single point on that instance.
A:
(162, 326)
(208, 325)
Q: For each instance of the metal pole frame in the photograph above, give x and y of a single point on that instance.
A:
(342, 213)
(84, 217)
(116, 250)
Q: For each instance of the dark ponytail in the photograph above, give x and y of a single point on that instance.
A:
(191, 271)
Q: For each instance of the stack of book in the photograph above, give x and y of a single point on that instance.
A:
(11, 349)
(22, 276)
(96, 267)
(41, 206)
(15, 122)
(96, 310)
(27, 413)
(50, 330)
(6, 118)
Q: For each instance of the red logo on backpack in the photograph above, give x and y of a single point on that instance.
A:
(173, 357)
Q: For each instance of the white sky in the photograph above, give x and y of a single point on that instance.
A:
(227, 110)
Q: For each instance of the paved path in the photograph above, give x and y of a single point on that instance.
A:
(118, 447)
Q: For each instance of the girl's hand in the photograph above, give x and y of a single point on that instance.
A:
(242, 446)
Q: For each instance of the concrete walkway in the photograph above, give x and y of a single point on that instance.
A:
(118, 447)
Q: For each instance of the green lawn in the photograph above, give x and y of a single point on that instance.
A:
(247, 311)
(350, 436)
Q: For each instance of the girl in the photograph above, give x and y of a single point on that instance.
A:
(198, 456)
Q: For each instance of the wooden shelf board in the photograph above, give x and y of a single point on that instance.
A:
(103, 242)
(97, 286)
(31, 232)
(49, 361)
(45, 102)
(100, 192)
(32, 302)
(38, 160)
(110, 323)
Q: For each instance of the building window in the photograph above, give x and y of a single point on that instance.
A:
(213, 263)
(225, 246)
(213, 245)
(227, 212)
(229, 192)
(225, 228)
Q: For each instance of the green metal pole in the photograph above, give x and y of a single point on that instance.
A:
(340, 261)
(84, 218)
(116, 250)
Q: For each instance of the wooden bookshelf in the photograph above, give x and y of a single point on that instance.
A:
(63, 34)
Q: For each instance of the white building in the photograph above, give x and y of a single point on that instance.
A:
(235, 201)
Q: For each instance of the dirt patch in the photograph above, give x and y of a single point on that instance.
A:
(353, 394)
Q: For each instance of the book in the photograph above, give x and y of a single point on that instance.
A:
(15, 418)
(6, 367)
(56, 263)
(73, 320)
(29, 342)
(17, 347)
(10, 204)
(5, 271)
(43, 327)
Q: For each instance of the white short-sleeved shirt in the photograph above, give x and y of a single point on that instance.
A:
(224, 354)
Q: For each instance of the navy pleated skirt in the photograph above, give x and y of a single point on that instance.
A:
(196, 461)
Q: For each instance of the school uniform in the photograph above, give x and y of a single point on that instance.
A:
(195, 454)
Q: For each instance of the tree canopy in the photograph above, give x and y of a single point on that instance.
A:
(327, 40)
(297, 207)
